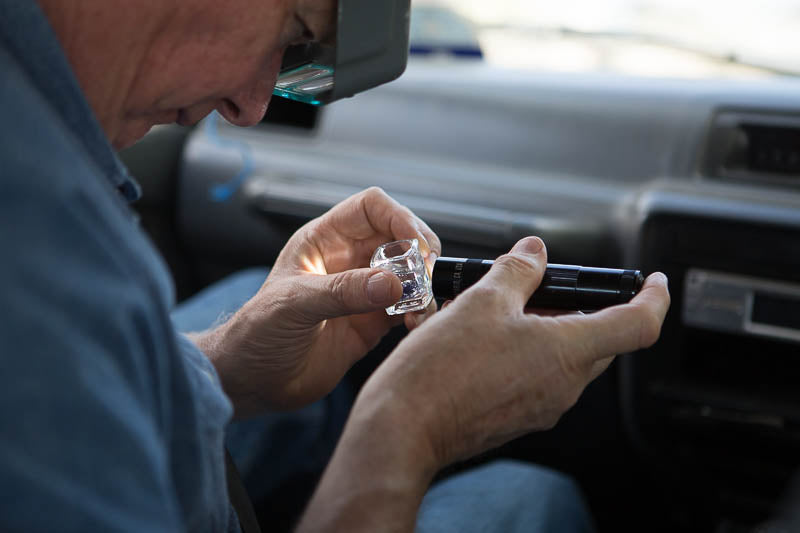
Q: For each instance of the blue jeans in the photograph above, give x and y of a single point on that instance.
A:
(278, 453)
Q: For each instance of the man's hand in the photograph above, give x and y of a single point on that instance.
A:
(477, 374)
(320, 310)
(475, 380)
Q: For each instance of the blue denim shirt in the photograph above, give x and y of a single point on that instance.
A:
(109, 420)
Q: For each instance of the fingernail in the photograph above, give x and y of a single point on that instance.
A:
(534, 245)
(379, 288)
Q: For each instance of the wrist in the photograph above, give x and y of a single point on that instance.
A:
(215, 347)
(378, 475)
(210, 344)
(394, 430)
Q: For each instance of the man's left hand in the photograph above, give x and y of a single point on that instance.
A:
(320, 310)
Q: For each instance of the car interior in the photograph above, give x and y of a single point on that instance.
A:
(696, 178)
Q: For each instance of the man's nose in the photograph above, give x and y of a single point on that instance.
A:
(247, 107)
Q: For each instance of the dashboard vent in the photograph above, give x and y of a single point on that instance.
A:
(762, 147)
(773, 149)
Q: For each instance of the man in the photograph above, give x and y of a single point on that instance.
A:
(111, 420)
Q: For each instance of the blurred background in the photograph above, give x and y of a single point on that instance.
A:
(650, 134)
(662, 38)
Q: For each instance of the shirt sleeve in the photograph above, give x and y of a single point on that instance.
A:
(83, 425)
(85, 413)
(109, 421)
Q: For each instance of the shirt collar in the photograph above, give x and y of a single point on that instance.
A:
(30, 38)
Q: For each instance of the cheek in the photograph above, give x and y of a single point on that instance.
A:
(255, 78)
(255, 64)
(199, 78)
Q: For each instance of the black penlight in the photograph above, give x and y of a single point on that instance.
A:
(566, 287)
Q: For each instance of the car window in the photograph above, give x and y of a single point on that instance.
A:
(664, 38)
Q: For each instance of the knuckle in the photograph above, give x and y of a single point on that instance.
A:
(405, 216)
(516, 263)
(484, 295)
(374, 193)
(340, 287)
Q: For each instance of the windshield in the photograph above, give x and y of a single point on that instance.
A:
(665, 38)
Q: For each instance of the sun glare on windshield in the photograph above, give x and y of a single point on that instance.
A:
(665, 38)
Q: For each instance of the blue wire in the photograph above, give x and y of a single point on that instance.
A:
(223, 192)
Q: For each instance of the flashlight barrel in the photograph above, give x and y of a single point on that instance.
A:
(566, 287)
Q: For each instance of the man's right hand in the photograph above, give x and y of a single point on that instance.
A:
(476, 375)
(483, 371)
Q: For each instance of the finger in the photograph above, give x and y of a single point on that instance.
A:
(346, 293)
(518, 273)
(411, 321)
(430, 263)
(414, 320)
(373, 326)
(624, 328)
(434, 244)
(384, 215)
(446, 304)
(373, 211)
(370, 329)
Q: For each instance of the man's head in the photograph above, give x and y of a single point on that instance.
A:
(147, 62)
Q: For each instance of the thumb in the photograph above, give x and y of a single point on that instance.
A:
(348, 293)
(518, 273)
